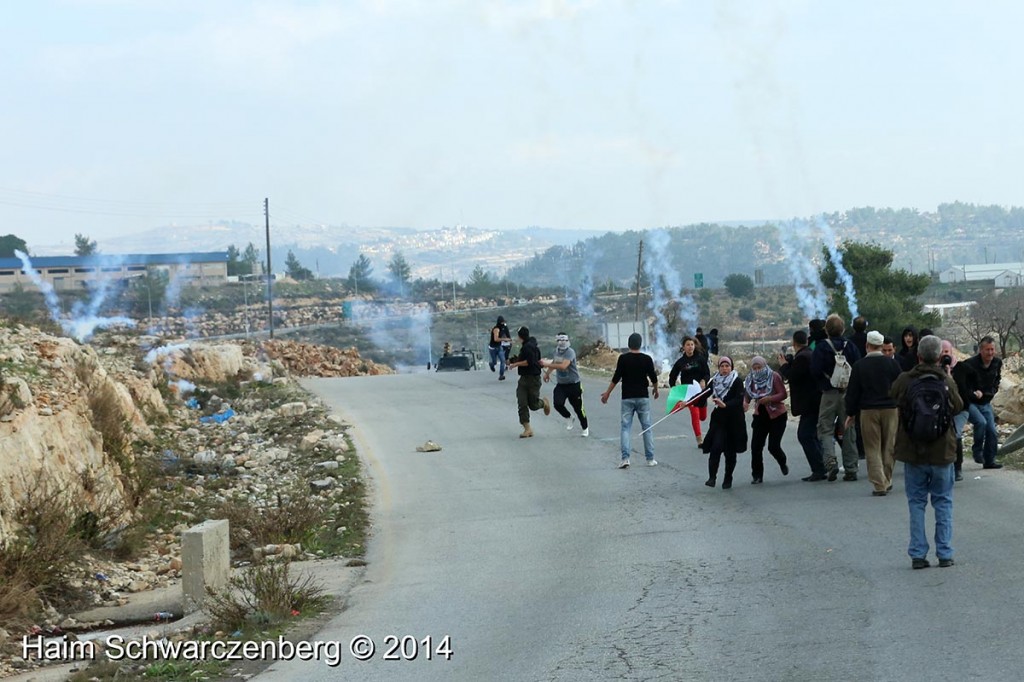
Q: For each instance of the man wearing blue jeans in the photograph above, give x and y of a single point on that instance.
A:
(984, 372)
(928, 465)
(634, 369)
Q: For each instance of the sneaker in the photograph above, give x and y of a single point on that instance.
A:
(978, 458)
(547, 407)
(700, 440)
(994, 465)
(652, 462)
(946, 563)
(527, 432)
(785, 469)
(833, 474)
(814, 477)
(919, 563)
(585, 433)
(726, 484)
(757, 479)
(958, 476)
(710, 483)
(879, 493)
(491, 365)
(849, 476)
(568, 424)
(501, 378)
(624, 464)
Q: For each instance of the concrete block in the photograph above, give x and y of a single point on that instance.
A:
(206, 561)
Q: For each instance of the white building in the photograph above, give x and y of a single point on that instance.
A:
(1002, 274)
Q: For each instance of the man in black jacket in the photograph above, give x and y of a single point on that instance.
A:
(984, 374)
(528, 390)
(868, 396)
(804, 398)
(833, 407)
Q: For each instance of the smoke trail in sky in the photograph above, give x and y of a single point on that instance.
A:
(844, 277)
(578, 274)
(810, 293)
(84, 320)
(666, 295)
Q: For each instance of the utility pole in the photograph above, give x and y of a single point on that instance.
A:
(270, 275)
(639, 264)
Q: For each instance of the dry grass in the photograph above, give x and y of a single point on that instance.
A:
(262, 595)
(294, 518)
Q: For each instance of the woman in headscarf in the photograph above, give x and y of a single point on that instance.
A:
(692, 366)
(727, 429)
(959, 372)
(765, 390)
(907, 355)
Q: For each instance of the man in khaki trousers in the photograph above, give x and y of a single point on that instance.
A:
(868, 396)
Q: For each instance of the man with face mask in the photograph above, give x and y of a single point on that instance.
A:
(567, 386)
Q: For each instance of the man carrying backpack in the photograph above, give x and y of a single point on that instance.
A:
(831, 365)
(926, 444)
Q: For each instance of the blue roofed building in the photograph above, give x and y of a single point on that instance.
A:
(67, 273)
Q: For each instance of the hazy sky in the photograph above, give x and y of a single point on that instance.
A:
(123, 115)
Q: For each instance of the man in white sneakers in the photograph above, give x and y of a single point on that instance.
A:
(567, 383)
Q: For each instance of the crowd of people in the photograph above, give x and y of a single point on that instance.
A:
(857, 392)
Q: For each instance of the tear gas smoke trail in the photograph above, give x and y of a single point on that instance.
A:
(829, 237)
(810, 293)
(81, 325)
(393, 333)
(666, 290)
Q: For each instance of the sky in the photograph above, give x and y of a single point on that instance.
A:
(120, 116)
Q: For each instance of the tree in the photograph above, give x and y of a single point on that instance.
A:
(479, 282)
(888, 298)
(739, 285)
(999, 315)
(21, 304)
(295, 270)
(360, 275)
(400, 270)
(84, 246)
(9, 244)
(233, 261)
(250, 259)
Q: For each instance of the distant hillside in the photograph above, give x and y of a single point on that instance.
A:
(954, 234)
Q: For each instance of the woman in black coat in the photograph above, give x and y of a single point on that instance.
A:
(727, 429)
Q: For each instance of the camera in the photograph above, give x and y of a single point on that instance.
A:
(946, 360)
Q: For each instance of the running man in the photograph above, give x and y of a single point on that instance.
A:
(567, 384)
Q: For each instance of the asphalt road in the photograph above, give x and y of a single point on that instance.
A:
(542, 561)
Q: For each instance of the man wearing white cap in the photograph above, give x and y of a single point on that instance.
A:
(868, 396)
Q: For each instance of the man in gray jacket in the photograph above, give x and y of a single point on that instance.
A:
(928, 465)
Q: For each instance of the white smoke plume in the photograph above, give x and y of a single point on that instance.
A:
(666, 295)
(810, 293)
(844, 277)
(84, 319)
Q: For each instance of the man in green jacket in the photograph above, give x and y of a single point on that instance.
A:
(928, 464)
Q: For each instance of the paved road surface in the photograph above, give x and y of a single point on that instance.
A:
(542, 561)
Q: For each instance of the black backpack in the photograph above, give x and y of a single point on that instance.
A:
(926, 411)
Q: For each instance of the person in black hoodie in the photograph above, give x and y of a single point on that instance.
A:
(833, 407)
(528, 389)
(907, 355)
(692, 366)
(804, 400)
